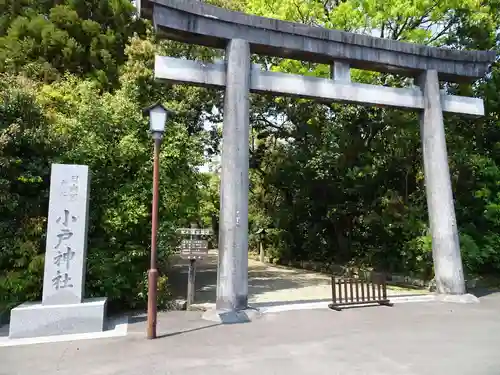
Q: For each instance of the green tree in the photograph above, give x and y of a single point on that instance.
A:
(27, 146)
(45, 39)
(345, 183)
(71, 119)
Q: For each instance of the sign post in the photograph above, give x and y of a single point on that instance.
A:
(191, 282)
(261, 234)
(193, 249)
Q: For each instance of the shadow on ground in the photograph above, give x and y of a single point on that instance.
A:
(262, 280)
(267, 285)
(170, 324)
(483, 292)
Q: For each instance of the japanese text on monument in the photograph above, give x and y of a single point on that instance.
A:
(63, 250)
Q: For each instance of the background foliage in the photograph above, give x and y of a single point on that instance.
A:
(331, 183)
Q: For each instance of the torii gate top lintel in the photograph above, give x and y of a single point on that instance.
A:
(199, 23)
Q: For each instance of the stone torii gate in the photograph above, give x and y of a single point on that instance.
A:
(241, 35)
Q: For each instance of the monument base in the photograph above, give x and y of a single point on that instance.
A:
(32, 319)
(231, 316)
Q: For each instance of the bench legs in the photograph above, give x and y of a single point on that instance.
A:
(340, 306)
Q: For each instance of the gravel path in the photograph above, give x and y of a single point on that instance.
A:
(267, 284)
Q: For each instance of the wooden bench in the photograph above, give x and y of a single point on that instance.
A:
(352, 291)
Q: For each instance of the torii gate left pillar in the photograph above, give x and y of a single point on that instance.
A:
(232, 273)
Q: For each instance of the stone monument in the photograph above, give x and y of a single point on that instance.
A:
(63, 310)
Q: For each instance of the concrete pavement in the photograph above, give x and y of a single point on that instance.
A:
(407, 339)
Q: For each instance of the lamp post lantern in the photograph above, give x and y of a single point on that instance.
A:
(158, 115)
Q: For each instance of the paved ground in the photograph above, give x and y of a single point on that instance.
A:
(407, 339)
(267, 284)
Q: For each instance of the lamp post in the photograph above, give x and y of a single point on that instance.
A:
(157, 120)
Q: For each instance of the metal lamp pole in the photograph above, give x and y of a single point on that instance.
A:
(158, 118)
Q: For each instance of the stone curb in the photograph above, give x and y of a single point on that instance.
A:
(273, 307)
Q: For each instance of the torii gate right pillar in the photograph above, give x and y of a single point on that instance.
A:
(445, 242)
